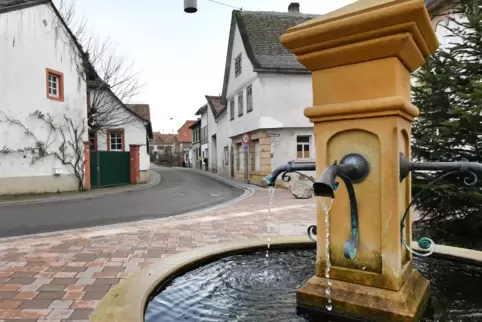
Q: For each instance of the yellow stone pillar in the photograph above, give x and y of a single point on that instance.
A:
(361, 57)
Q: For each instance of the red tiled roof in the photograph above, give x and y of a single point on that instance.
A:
(185, 133)
(159, 138)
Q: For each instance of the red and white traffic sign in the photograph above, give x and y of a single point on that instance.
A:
(245, 138)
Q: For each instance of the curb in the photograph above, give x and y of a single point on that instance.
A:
(218, 178)
(82, 196)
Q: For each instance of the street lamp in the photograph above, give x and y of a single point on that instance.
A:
(190, 6)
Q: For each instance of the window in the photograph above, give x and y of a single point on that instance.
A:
(167, 149)
(92, 141)
(231, 109)
(237, 66)
(239, 148)
(115, 140)
(226, 155)
(303, 146)
(204, 134)
(55, 85)
(249, 98)
(240, 104)
(257, 155)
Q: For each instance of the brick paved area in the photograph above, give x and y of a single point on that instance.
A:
(62, 276)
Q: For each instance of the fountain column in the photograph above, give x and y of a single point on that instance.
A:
(361, 57)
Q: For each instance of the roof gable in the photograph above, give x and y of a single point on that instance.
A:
(142, 110)
(260, 32)
(184, 133)
(159, 138)
(215, 104)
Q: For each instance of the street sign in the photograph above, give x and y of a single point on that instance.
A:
(246, 147)
(273, 135)
(245, 138)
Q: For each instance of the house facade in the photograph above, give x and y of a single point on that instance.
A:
(184, 135)
(39, 56)
(214, 108)
(265, 92)
(195, 155)
(202, 113)
(164, 144)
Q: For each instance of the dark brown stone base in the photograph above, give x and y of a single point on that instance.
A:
(366, 302)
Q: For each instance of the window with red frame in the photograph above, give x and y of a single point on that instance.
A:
(55, 85)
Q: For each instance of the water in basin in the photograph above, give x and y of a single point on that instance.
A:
(236, 288)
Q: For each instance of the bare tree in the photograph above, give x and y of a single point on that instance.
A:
(112, 80)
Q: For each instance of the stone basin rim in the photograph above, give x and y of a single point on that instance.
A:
(127, 301)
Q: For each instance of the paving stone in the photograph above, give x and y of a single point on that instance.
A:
(50, 296)
(52, 288)
(61, 304)
(9, 313)
(10, 304)
(33, 314)
(7, 295)
(35, 304)
(79, 314)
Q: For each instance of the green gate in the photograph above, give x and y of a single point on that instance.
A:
(113, 169)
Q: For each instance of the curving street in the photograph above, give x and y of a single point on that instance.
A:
(180, 191)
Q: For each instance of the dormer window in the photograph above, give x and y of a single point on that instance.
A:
(237, 66)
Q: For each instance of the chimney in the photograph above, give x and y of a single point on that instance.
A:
(294, 7)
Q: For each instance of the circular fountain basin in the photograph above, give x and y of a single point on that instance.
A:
(233, 282)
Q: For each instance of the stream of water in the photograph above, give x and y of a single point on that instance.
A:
(271, 191)
(326, 203)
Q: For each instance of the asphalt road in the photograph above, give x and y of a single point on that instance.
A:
(179, 191)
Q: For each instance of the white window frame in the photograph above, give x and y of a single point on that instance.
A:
(54, 85)
(226, 155)
(249, 98)
(118, 144)
(303, 145)
(231, 109)
(238, 65)
(240, 103)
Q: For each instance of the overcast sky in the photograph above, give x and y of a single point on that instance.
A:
(181, 56)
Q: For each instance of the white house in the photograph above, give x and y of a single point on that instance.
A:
(133, 127)
(42, 97)
(265, 92)
(213, 111)
(203, 125)
(195, 149)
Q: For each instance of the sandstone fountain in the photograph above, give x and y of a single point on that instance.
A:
(361, 57)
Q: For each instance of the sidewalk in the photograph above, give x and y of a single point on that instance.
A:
(62, 276)
(231, 181)
(154, 178)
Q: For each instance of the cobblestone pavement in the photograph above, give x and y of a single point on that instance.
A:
(62, 276)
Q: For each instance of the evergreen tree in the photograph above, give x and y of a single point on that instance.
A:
(448, 92)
